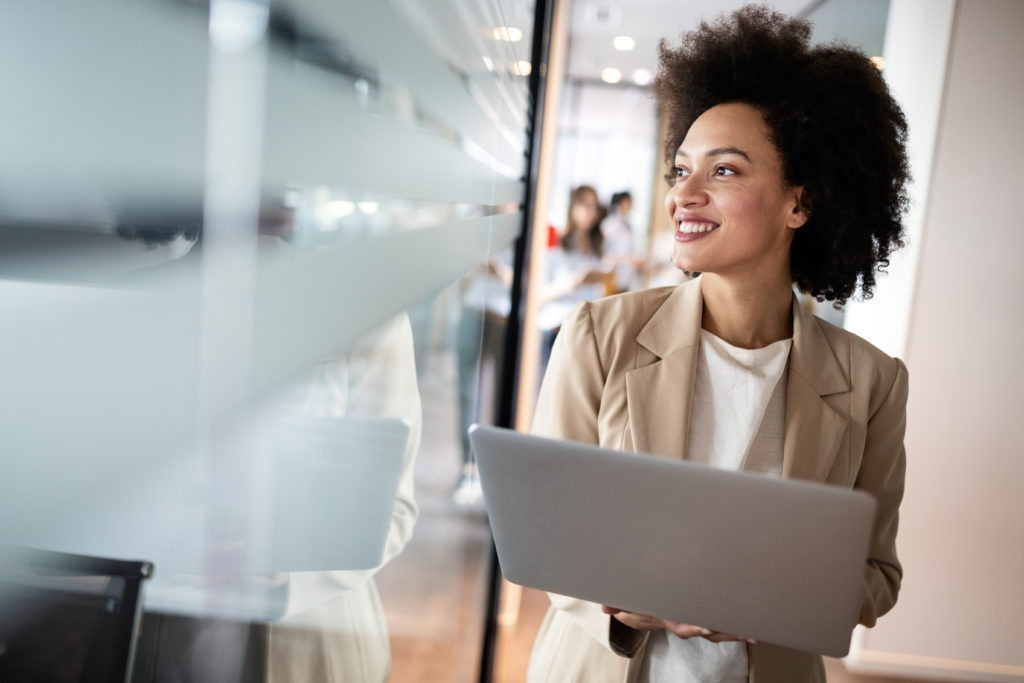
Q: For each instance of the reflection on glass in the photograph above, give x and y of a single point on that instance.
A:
(483, 318)
(243, 410)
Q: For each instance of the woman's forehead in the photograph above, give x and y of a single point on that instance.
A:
(734, 128)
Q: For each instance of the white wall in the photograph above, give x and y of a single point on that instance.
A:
(961, 610)
(917, 40)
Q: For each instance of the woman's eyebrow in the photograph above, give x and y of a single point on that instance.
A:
(717, 151)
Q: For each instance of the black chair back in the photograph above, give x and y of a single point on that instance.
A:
(68, 618)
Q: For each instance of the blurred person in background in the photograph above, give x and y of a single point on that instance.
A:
(618, 242)
(787, 167)
(574, 268)
(480, 338)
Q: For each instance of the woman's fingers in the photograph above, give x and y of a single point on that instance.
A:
(716, 637)
(690, 631)
(640, 622)
(687, 630)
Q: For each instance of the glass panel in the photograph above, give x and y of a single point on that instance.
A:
(254, 271)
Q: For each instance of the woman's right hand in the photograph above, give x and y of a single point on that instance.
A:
(591, 276)
(642, 622)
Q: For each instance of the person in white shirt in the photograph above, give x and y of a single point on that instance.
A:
(574, 270)
(619, 244)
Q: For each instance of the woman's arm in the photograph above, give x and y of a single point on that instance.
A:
(568, 406)
(570, 394)
(881, 474)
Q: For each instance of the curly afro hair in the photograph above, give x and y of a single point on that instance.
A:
(839, 133)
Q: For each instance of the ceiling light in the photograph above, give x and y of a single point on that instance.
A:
(642, 77)
(509, 34)
(521, 68)
(611, 75)
(879, 62)
(624, 43)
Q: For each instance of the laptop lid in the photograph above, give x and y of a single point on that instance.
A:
(779, 561)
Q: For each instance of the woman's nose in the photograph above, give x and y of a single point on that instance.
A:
(689, 192)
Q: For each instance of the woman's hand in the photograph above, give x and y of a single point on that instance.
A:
(642, 622)
(591, 276)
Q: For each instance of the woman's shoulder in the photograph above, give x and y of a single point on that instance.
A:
(864, 361)
(623, 314)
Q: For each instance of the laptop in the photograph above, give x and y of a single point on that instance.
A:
(778, 561)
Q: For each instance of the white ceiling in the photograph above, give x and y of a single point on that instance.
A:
(595, 23)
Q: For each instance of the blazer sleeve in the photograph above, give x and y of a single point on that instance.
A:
(881, 474)
(567, 408)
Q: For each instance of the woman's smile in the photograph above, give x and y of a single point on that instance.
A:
(691, 227)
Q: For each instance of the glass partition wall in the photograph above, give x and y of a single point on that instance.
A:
(256, 262)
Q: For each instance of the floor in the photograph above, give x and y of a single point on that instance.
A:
(434, 592)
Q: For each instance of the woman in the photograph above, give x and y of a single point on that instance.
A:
(787, 167)
(574, 270)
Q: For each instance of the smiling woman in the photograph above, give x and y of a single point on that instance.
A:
(788, 168)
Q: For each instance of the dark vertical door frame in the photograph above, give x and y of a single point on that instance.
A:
(508, 386)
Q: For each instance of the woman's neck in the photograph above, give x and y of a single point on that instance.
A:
(747, 314)
(582, 240)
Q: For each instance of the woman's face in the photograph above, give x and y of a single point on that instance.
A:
(731, 208)
(584, 211)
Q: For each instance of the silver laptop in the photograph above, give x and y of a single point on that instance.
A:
(779, 561)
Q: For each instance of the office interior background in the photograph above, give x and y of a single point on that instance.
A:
(262, 261)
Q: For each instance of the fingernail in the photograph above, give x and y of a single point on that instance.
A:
(705, 632)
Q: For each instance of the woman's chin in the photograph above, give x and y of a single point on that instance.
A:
(686, 265)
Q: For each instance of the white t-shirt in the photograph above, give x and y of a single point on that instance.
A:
(738, 421)
(560, 263)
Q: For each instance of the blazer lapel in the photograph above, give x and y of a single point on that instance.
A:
(814, 431)
(659, 395)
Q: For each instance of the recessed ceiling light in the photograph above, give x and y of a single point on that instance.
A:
(611, 75)
(642, 77)
(509, 34)
(521, 68)
(879, 62)
(624, 43)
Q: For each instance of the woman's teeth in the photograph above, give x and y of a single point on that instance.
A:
(696, 227)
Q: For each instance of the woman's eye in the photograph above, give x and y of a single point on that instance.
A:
(723, 171)
(675, 174)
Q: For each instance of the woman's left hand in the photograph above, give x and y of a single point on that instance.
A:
(676, 628)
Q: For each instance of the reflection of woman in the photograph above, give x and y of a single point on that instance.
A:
(788, 167)
(335, 628)
(574, 266)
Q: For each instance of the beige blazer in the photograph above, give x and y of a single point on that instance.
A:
(621, 375)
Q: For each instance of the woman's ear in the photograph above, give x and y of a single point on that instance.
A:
(801, 209)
